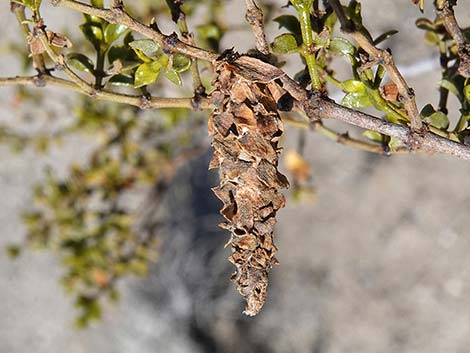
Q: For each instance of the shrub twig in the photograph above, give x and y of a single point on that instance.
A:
(383, 57)
(446, 13)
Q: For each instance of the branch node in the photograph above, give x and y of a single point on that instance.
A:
(39, 81)
(169, 43)
(145, 101)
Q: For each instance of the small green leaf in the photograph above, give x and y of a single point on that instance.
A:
(80, 62)
(32, 4)
(466, 92)
(123, 53)
(356, 100)
(394, 143)
(209, 31)
(97, 3)
(427, 111)
(147, 73)
(173, 76)
(122, 80)
(289, 22)
(284, 44)
(93, 33)
(147, 46)
(431, 38)
(113, 32)
(373, 135)
(13, 251)
(181, 63)
(425, 24)
(341, 46)
(451, 87)
(353, 86)
(331, 21)
(385, 36)
(439, 120)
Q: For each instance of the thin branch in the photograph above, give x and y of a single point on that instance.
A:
(179, 17)
(309, 51)
(38, 59)
(316, 106)
(254, 16)
(447, 15)
(138, 101)
(343, 138)
(428, 142)
(117, 14)
(382, 57)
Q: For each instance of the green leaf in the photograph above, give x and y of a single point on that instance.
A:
(427, 111)
(122, 80)
(209, 31)
(373, 135)
(113, 32)
(394, 143)
(356, 100)
(80, 62)
(147, 46)
(451, 87)
(284, 44)
(147, 74)
(385, 36)
(331, 21)
(289, 22)
(97, 3)
(181, 63)
(439, 120)
(466, 92)
(431, 38)
(13, 251)
(32, 4)
(341, 46)
(123, 53)
(173, 76)
(93, 33)
(353, 86)
(425, 24)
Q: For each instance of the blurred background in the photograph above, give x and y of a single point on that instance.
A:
(378, 262)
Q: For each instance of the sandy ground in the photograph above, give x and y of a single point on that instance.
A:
(379, 264)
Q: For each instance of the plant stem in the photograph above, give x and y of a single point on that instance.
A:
(138, 101)
(303, 10)
(99, 70)
(38, 59)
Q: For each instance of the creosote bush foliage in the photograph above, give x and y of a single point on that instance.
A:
(124, 65)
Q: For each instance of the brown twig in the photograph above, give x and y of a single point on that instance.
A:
(179, 17)
(254, 16)
(447, 15)
(38, 59)
(429, 142)
(117, 14)
(382, 57)
(317, 107)
(343, 138)
(138, 101)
